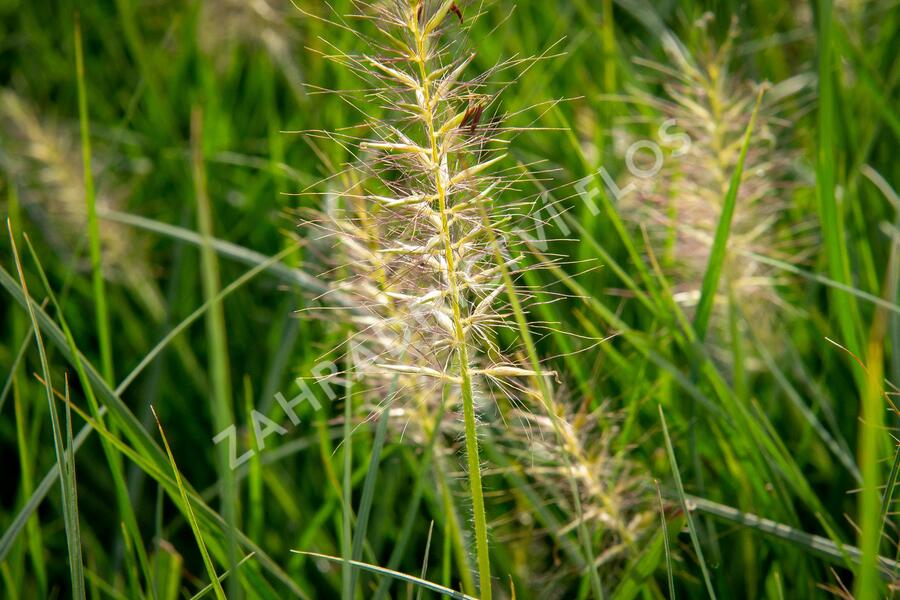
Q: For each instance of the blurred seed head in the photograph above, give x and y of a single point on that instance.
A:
(42, 158)
(252, 23)
(680, 205)
(615, 503)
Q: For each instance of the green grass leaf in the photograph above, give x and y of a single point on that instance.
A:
(695, 540)
(416, 581)
(195, 526)
(713, 273)
(65, 457)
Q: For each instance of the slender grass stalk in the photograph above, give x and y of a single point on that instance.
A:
(425, 558)
(346, 513)
(695, 540)
(195, 526)
(481, 541)
(90, 198)
(662, 517)
(221, 403)
(65, 458)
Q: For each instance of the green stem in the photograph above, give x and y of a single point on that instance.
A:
(93, 227)
(474, 462)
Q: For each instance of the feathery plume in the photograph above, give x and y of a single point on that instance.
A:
(418, 255)
(705, 112)
(43, 159)
(421, 221)
(614, 504)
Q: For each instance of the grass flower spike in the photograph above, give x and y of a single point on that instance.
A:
(420, 254)
(43, 159)
(681, 205)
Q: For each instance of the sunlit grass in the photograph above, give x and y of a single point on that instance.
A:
(161, 163)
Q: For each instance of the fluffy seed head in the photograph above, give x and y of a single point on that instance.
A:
(42, 157)
(418, 217)
(703, 115)
(418, 229)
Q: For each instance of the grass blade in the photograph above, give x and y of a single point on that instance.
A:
(212, 586)
(15, 367)
(123, 502)
(195, 526)
(695, 540)
(662, 516)
(829, 213)
(90, 197)
(834, 285)
(815, 544)
(64, 465)
(235, 252)
(871, 435)
(425, 559)
(151, 457)
(417, 581)
(34, 538)
(723, 229)
(18, 524)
